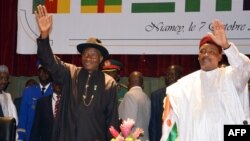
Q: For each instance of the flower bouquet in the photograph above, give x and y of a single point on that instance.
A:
(126, 134)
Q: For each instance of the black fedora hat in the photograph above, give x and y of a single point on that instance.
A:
(94, 43)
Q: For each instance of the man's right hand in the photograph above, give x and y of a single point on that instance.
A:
(44, 21)
(219, 35)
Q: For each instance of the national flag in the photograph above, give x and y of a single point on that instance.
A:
(169, 127)
(53, 6)
(101, 6)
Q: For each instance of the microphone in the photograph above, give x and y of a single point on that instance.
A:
(245, 122)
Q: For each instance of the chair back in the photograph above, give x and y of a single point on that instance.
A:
(7, 129)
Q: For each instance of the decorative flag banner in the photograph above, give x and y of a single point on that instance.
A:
(101, 6)
(53, 6)
(134, 26)
(169, 125)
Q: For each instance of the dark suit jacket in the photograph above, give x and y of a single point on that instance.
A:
(43, 123)
(155, 124)
(1, 111)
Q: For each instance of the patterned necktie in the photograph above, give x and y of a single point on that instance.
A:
(57, 105)
(43, 91)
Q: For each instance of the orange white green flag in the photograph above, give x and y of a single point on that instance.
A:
(169, 126)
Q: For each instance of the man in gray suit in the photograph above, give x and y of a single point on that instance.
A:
(136, 104)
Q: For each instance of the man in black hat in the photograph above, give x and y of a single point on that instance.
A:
(88, 103)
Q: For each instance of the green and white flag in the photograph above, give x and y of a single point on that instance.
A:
(169, 127)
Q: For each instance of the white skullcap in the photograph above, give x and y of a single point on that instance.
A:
(4, 68)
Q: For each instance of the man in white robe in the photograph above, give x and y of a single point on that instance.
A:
(206, 100)
(7, 106)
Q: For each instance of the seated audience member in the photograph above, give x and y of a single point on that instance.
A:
(136, 104)
(46, 112)
(198, 105)
(28, 104)
(112, 67)
(173, 73)
(7, 107)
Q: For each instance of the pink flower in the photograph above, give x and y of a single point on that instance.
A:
(114, 132)
(137, 133)
(126, 134)
(126, 127)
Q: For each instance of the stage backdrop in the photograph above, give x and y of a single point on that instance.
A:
(134, 26)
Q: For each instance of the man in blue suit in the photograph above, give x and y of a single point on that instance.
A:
(173, 73)
(28, 104)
